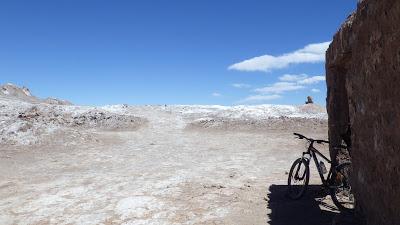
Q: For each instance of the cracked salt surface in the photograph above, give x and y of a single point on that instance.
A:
(138, 207)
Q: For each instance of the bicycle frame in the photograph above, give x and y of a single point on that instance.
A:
(313, 152)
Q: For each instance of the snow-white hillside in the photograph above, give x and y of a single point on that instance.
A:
(27, 120)
(255, 111)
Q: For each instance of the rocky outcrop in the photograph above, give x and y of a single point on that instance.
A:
(309, 100)
(13, 91)
(24, 94)
(55, 101)
(363, 80)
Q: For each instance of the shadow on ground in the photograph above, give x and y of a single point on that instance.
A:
(307, 210)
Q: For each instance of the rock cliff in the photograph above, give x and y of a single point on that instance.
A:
(363, 80)
(12, 91)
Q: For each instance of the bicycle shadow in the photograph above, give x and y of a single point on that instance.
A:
(307, 210)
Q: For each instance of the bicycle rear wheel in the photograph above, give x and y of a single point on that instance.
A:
(298, 179)
(340, 188)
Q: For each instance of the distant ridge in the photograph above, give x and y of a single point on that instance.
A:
(10, 90)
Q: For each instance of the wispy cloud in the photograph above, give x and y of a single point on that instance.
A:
(297, 82)
(312, 53)
(241, 85)
(293, 77)
(279, 87)
(288, 82)
(216, 94)
(312, 80)
(315, 90)
(259, 98)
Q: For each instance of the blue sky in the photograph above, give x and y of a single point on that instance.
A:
(96, 52)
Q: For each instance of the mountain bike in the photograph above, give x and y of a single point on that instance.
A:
(336, 182)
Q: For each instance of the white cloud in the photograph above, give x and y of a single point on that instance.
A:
(240, 85)
(288, 82)
(259, 98)
(279, 87)
(312, 80)
(293, 77)
(315, 90)
(216, 94)
(301, 78)
(312, 53)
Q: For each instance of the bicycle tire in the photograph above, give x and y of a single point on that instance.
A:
(297, 191)
(340, 185)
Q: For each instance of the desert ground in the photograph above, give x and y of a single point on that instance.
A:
(65, 164)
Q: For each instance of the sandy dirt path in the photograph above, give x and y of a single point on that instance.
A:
(160, 174)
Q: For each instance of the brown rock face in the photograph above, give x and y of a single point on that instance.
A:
(309, 100)
(363, 79)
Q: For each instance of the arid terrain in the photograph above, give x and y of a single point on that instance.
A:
(66, 164)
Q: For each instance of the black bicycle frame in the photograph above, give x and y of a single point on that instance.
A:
(313, 152)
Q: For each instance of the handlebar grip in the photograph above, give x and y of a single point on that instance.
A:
(299, 135)
(310, 139)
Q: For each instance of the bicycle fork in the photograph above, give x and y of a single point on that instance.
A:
(307, 159)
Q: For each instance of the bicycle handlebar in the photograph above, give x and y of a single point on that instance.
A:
(310, 139)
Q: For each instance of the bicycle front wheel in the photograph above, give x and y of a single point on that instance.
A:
(298, 179)
(340, 188)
